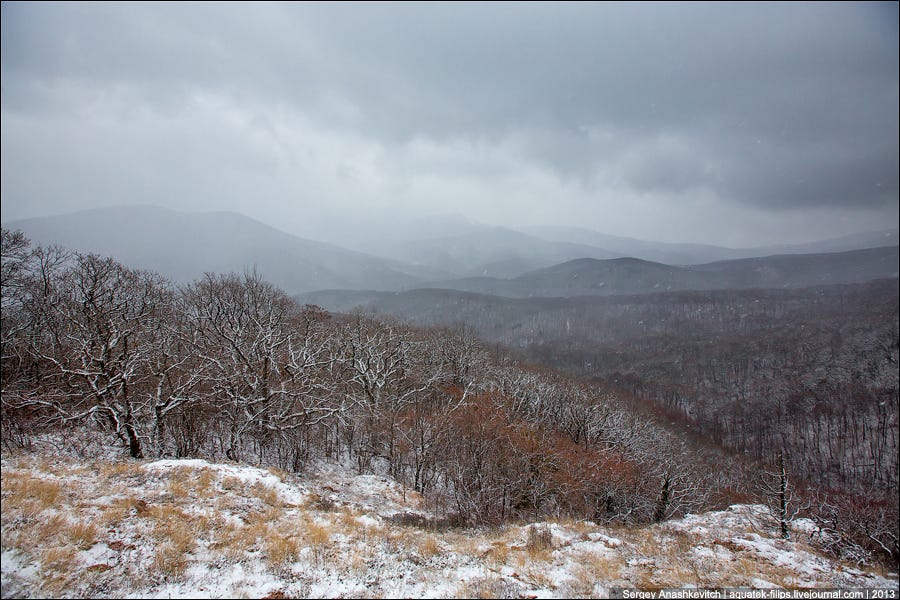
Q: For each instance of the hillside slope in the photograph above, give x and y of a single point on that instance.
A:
(183, 246)
(170, 528)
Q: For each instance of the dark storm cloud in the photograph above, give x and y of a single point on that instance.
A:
(768, 107)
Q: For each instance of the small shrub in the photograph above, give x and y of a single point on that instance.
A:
(539, 543)
(499, 553)
(489, 587)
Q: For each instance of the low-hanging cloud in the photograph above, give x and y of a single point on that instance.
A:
(624, 116)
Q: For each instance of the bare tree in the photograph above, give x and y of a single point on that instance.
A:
(98, 321)
(779, 495)
(256, 362)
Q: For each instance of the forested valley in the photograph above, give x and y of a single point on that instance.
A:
(230, 367)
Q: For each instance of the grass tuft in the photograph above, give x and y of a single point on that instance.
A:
(169, 561)
(539, 544)
(82, 535)
(281, 549)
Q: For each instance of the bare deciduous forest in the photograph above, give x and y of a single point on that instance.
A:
(230, 367)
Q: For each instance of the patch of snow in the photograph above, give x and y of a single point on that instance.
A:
(245, 474)
(807, 526)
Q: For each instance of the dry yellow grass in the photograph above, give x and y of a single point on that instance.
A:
(118, 510)
(358, 559)
(318, 537)
(267, 494)
(181, 535)
(319, 503)
(177, 489)
(581, 585)
(498, 553)
(12, 478)
(57, 567)
(41, 491)
(428, 546)
(56, 531)
(57, 559)
(231, 543)
(680, 543)
(272, 514)
(117, 470)
(599, 567)
(226, 503)
(173, 527)
(318, 534)
(203, 485)
(281, 474)
(468, 545)
(82, 535)
(235, 542)
(169, 561)
(669, 574)
(50, 530)
(165, 513)
(539, 543)
(255, 523)
(348, 522)
(57, 465)
(232, 484)
(281, 549)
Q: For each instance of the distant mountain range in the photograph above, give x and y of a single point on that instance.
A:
(490, 252)
(629, 276)
(693, 254)
(183, 246)
(587, 276)
(471, 257)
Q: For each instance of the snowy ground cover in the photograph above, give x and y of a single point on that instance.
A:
(190, 528)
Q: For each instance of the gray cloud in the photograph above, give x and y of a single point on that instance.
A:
(629, 116)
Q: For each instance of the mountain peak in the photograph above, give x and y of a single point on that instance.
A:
(183, 246)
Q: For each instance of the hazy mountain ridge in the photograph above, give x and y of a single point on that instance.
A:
(492, 260)
(693, 254)
(586, 276)
(183, 246)
(490, 251)
(479, 250)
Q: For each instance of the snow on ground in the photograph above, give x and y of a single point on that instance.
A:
(195, 529)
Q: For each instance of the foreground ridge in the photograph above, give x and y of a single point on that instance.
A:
(192, 528)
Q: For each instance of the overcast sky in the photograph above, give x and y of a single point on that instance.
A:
(718, 123)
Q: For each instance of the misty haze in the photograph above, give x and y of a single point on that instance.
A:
(449, 300)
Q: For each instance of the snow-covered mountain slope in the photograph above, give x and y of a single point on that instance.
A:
(190, 528)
